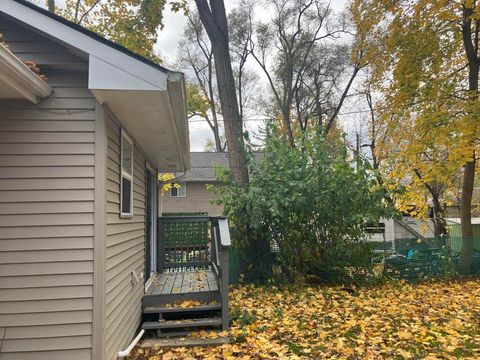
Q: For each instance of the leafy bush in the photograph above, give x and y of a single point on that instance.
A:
(311, 201)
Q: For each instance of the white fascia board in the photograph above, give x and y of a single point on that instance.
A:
(15, 75)
(105, 76)
(73, 38)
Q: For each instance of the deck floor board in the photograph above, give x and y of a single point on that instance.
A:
(183, 282)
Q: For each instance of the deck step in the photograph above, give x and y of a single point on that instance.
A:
(172, 334)
(163, 299)
(175, 324)
(183, 342)
(173, 309)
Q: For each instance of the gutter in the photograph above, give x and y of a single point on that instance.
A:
(18, 76)
(179, 114)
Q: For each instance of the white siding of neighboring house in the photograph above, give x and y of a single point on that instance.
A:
(125, 248)
(47, 209)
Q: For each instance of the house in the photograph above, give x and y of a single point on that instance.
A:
(390, 230)
(192, 194)
(80, 151)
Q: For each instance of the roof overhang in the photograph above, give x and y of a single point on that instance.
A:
(148, 100)
(156, 119)
(17, 81)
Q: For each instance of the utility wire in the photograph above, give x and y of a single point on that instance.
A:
(266, 119)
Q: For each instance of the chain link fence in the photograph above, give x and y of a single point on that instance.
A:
(409, 259)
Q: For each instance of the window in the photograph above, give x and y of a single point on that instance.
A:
(126, 183)
(179, 190)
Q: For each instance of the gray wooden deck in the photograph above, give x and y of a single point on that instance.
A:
(183, 282)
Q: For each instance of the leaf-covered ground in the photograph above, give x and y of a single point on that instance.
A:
(395, 321)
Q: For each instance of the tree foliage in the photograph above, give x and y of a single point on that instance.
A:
(310, 201)
(425, 61)
(133, 24)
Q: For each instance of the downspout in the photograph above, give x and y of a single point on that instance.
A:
(124, 353)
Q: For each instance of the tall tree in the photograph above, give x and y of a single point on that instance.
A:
(196, 59)
(470, 29)
(307, 71)
(395, 154)
(196, 55)
(240, 30)
(214, 18)
(425, 57)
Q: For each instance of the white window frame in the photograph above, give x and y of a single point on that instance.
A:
(183, 185)
(124, 174)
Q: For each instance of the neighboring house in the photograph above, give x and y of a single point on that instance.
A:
(406, 228)
(79, 156)
(192, 194)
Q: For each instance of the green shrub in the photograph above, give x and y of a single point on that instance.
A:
(311, 201)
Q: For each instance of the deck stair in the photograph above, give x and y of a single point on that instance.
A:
(190, 292)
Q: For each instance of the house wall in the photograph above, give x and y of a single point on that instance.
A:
(198, 199)
(125, 248)
(47, 209)
(423, 227)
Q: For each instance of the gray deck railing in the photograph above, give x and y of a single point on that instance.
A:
(189, 243)
(183, 243)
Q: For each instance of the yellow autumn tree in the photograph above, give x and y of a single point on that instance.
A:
(424, 57)
(166, 179)
(133, 24)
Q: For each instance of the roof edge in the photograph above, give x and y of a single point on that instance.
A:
(92, 34)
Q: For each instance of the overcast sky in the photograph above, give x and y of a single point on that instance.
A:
(167, 46)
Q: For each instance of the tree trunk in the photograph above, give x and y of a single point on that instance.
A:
(51, 6)
(233, 126)
(218, 141)
(214, 19)
(288, 125)
(440, 225)
(470, 43)
(466, 218)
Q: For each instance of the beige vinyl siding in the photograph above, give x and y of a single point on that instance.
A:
(47, 209)
(198, 199)
(125, 248)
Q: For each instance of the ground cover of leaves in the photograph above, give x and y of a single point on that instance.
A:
(437, 320)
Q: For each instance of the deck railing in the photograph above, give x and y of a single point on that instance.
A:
(183, 243)
(190, 243)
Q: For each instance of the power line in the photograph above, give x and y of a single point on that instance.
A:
(267, 119)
